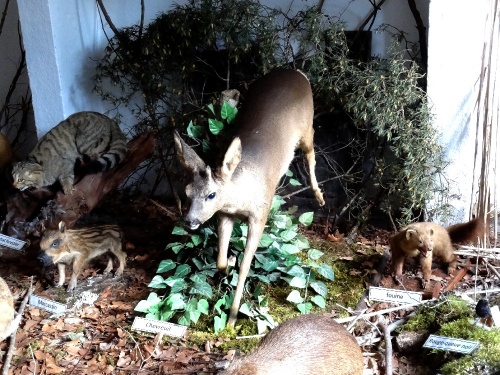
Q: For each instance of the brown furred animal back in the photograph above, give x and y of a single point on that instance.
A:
(467, 232)
(79, 246)
(306, 345)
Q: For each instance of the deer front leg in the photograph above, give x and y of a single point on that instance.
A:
(255, 230)
(225, 228)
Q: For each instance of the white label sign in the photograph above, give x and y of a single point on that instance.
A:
(47, 304)
(155, 326)
(11, 242)
(394, 295)
(451, 344)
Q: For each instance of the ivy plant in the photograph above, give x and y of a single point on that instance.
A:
(284, 256)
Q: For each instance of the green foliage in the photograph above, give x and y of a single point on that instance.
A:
(166, 72)
(284, 255)
(484, 360)
(432, 317)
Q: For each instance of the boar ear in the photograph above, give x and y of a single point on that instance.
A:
(409, 233)
(187, 156)
(232, 158)
(62, 226)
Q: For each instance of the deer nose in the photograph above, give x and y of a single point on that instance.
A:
(193, 224)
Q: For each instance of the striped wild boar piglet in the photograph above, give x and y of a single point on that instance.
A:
(305, 345)
(78, 246)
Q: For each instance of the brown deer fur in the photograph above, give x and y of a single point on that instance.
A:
(276, 118)
(306, 345)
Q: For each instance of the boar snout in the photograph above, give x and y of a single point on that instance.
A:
(44, 259)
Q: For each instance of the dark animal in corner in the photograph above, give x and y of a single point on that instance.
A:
(78, 246)
(276, 118)
(430, 241)
(306, 345)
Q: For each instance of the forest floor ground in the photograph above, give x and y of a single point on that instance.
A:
(95, 337)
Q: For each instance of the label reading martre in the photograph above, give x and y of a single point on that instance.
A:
(451, 344)
(394, 295)
(47, 304)
(11, 242)
(155, 326)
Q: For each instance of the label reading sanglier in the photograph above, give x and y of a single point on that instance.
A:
(155, 326)
(394, 295)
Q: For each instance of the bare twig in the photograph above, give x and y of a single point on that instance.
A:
(382, 324)
(4, 15)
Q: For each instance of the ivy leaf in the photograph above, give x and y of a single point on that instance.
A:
(215, 126)
(211, 108)
(179, 231)
(298, 282)
(297, 271)
(145, 305)
(166, 265)
(245, 309)
(176, 301)
(326, 271)
(305, 308)
(203, 288)
(220, 322)
(157, 282)
(306, 218)
(288, 235)
(314, 254)
(194, 131)
(196, 239)
(289, 249)
(203, 306)
(320, 288)
(228, 112)
(319, 300)
(295, 297)
(295, 182)
(182, 270)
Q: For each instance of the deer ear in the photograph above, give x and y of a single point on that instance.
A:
(62, 226)
(409, 233)
(187, 156)
(232, 158)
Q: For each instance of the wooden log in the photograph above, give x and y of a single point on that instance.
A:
(28, 212)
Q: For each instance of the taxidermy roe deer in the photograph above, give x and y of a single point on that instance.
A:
(276, 119)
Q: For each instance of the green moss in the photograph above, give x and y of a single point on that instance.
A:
(431, 317)
(486, 359)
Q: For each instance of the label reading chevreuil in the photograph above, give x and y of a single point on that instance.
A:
(11, 242)
(451, 344)
(394, 295)
(155, 326)
(47, 304)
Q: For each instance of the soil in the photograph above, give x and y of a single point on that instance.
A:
(95, 336)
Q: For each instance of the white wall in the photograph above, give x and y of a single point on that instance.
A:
(63, 39)
(456, 40)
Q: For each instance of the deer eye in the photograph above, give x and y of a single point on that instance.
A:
(56, 243)
(211, 195)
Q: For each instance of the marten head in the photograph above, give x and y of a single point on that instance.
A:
(421, 240)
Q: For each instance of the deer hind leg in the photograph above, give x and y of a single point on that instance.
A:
(307, 145)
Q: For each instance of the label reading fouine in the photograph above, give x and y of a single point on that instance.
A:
(47, 304)
(155, 326)
(451, 344)
(394, 295)
(11, 242)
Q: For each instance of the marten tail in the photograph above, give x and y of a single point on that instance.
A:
(467, 232)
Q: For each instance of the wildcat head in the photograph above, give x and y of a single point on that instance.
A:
(27, 175)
